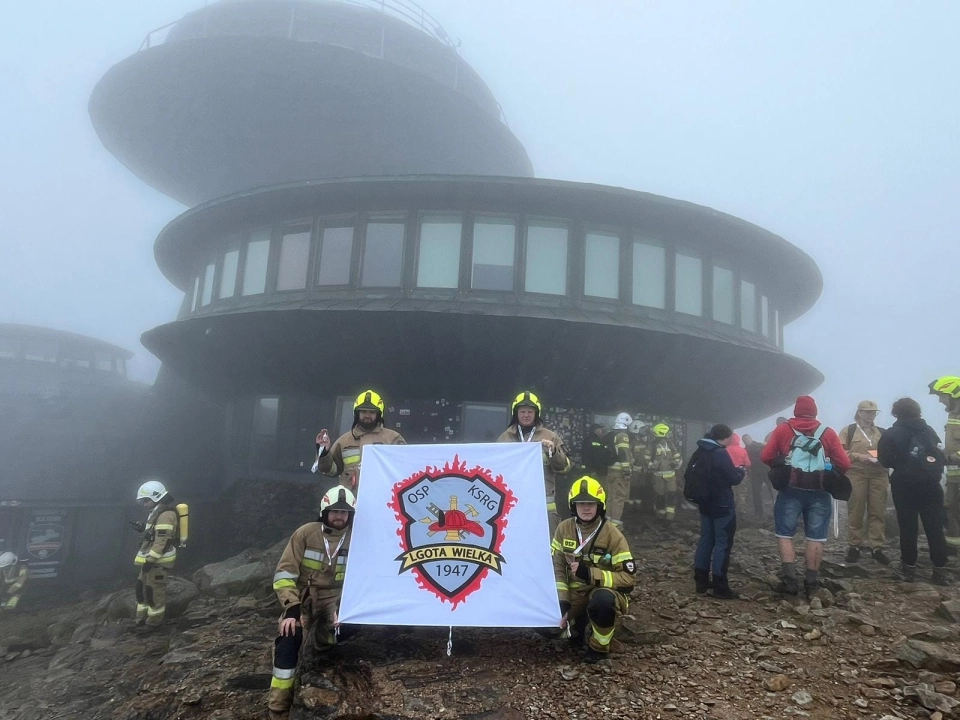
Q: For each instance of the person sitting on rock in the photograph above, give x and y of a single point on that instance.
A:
(593, 568)
(308, 583)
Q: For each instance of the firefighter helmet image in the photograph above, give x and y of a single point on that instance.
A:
(151, 490)
(587, 489)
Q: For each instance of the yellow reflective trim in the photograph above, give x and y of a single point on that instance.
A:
(312, 564)
(140, 560)
(282, 684)
(562, 586)
(621, 557)
(153, 613)
(551, 507)
(602, 638)
(280, 584)
(953, 422)
(352, 460)
(607, 578)
(163, 527)
(554, 545)
(12, 602)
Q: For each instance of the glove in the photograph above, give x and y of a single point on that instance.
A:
(564, 607)
(583, 572)
(138, 526)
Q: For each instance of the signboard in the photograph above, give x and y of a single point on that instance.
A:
(451, 535)
(45, 537)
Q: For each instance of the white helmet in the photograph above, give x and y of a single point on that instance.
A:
(338, 498)
(7, 559)
(152, 489)
(622, 422)
(637, 427)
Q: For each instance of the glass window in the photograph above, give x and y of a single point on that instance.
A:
(228, 275)
(382, 255)
(483, 423)
(255, 268)
(748, 306)
(42, 349)
(195, 298)
(723, 295)
(494, 241)
(208, 284)
(294, 256)
(689, 285)
(546, 259)
(601, 274)
(776, 328)
(336, 252)
(9, 347)
(265, 416)
(765, 315)
(649, 275)
(102, 361)
(438, 265)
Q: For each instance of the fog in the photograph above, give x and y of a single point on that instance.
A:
(833, 125)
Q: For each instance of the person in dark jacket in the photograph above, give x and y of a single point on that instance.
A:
(718, 515)
(915, 492)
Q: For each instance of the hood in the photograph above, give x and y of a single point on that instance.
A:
(805, 406)
(737, 441)
(708, 445)
(805, 425)
(622, 422)
(912, 424)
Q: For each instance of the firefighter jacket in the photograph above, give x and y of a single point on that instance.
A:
(343, 458)
(638, 450)
(553, 465)
(663, 458)
(159, 544)
(620, 440)
(951, 447)
(314, 560)
(12, 580)
(859, 440)
(606, 555)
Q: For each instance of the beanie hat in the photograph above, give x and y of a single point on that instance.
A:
(806, 407)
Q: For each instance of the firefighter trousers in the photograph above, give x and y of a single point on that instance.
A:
(951, 506)
(597, 612)
(617, 486)
(151, 591)
(665, 488)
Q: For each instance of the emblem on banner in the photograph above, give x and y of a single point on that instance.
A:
(44, 540)
(452, 522)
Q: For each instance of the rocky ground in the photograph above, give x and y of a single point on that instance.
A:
(867, 647)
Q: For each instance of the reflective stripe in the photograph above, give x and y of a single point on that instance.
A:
(284, 575)
(953, 421)
(606, 578)
(12, 602)
(621, 557)
(551, 507)
(312, 564)
(140, 560)
(282, 684)
(313, 554)
(562, 586)
(284, 673)
(351, 456)
(151, 612)
(602, 638)
(555, 545)
(953, 540)
(163, 527)
(281, 584)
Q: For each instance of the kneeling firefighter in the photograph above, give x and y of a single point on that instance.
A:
(13, 578)
(308, 583)
(164, 531)
(594, 570)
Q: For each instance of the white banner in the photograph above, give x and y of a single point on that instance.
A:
(451, 535)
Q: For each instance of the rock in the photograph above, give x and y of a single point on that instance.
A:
(205, 576)
(240, 580)
(180, 593)
(933, 700)
(802, 697)
(946, 687)
(815, 634)
(949, 610)
(926, 655)
(633, 631)
(17, 644)
(246, 603)
(181, 657)
(777, 683)
(60, 632)
(861, 702)
(868, 630)
(770, 667)
(83, 633)
(569, 673)
(837, 570)
(936, 633)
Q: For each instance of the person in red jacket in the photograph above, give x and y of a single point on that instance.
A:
(816, 505)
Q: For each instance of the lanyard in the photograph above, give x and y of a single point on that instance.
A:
(865, 436)
(584, 543)
(529, 437)
(333, 556)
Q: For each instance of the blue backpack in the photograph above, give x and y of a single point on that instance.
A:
(806, 460)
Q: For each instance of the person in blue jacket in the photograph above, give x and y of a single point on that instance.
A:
(718, 514)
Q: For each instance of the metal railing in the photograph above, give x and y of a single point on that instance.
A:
(406, 10)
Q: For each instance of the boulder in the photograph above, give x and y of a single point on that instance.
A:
(927, 655)
(240, 580)
(949, 610)
(205, 576)
(180, 593)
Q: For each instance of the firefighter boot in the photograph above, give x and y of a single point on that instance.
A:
(279, 701)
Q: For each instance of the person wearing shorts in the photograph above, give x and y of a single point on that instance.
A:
(816, 506)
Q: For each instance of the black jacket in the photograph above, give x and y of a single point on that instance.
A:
(723, 476)
(893, 447)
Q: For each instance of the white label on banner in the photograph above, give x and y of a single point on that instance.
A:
(451, 535)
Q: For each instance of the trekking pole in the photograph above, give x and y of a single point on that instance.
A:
(836, 519)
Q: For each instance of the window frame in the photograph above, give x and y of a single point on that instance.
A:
(517, 221)
(716, 265)
(608, 231)
(706, 312)
(418, 247)
(280, 231)
(536, 220)
(635, 237)
(401, 218)
(342, 220)
(247, 240)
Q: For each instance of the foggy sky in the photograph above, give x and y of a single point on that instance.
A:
(834, 125)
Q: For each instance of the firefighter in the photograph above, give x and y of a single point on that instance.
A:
(638, 471)
(620, 471)
(592, 451)
(663, 460)
(157, 553)
(13, 578)
(526, 426)
(343, 458)
(593, 568)
(947, 390)
(308, 583)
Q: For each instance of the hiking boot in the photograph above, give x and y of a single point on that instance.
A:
(593, 656)
(880, 557)
(906, 573)
(810, 589)
(853, 554)
(722, 591)
(702, 579)
(788, 586)
(940, 576)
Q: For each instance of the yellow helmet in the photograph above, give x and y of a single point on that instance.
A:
(526, 399)
(368, 400)
(587, 489)
(661, 430)
(947, 385)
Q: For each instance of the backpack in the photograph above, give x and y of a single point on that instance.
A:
(924, 461)
(806, 460)
(696, 478)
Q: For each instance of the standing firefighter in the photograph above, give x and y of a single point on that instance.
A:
(619, 472)
(13, 578)
(157, 553)
(947, 390)
(638, 475)
(308, 583)
(344, 457)
(526, 426)
(663, 461)
(593, 568)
